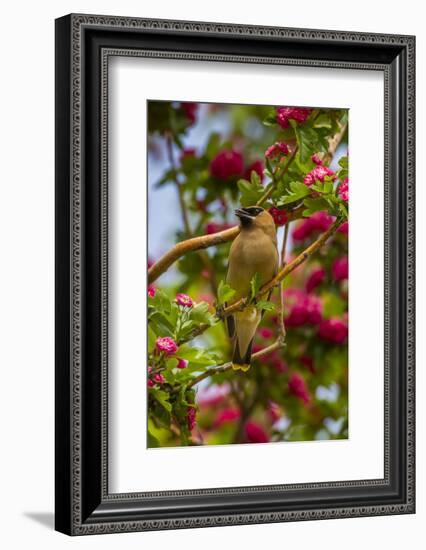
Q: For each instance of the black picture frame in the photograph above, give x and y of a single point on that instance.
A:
(83, 45)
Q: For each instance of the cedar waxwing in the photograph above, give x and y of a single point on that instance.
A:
(253, 251)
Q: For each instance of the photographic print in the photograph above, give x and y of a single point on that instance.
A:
(248, 274)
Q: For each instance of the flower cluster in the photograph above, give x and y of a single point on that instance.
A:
(318, 174)
(214, 227)
(297, 387)
(280, 216)
(255, 433)
(343, 190)
(334, 330)
(191, 418)
(285, 114)
(166, 345)
(183, 300)
(318, 222)
(301, 308)
(278, 149)
(227, 164)
(316, 278)
(340, 269)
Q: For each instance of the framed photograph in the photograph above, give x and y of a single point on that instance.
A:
(234, 274)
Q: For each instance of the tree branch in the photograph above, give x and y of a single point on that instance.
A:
(316, 245)
(197, 243)
(227, 366)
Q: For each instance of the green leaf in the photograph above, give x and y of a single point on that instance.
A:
(162, 398)
(224, 292)
(270, 119)
(315, 205)
(250, 192)
(307, 139)
(297, 192)
(254, 286)
(264, 305)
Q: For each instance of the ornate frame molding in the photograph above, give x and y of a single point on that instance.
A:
(72, 48)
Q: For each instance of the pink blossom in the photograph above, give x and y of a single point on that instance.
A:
(188, 152)
(344, 228)
(190, 109)
(320, 221)
(278, 149)
(280, 216)
(181, 363)
(266, 332)
(255, 433)
(151, 291)
(316, 277)
(318, 174)
(227, 164)
(302, 308)
(214, 227)
(274, 411)
(343, 190)
(279, 365)
(167, 345)
(299, 114)
(316, 159)
(340, 268)
(159, 378)
(333, 330)
(191, 418)
(227, 415)
(183, 300)
(256, 166)
(298, 387)
(150, 383)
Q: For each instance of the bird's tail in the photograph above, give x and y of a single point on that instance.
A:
(241, 362)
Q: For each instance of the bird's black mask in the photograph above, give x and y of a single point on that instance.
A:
(247, 215)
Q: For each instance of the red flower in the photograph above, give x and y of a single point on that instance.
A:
(299, 114)
(333, 330)
(191, 418)
(343, 190)
(276, 150)
(227, 415)
(316, 159)
(280, 216)
(266, 332)
(340, 269)
(166, 344)
(344, 228)
(190, 109)
(181, 363)
(318, 174)
(159, 378)
(255, 433)
(316, 277)
(150, 383)
(213, 227)
(302, 308)
(151, 291)
(298, 387)
(320, 221)
(183, 300)
(226, 165)
(256, 166)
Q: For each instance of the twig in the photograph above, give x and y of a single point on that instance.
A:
(281, 290)
(271, 189)
(182, 205)
(227, 366)
(316, 245)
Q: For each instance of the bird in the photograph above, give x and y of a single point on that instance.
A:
(253, 251)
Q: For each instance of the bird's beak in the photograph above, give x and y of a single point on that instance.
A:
(243, 215)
